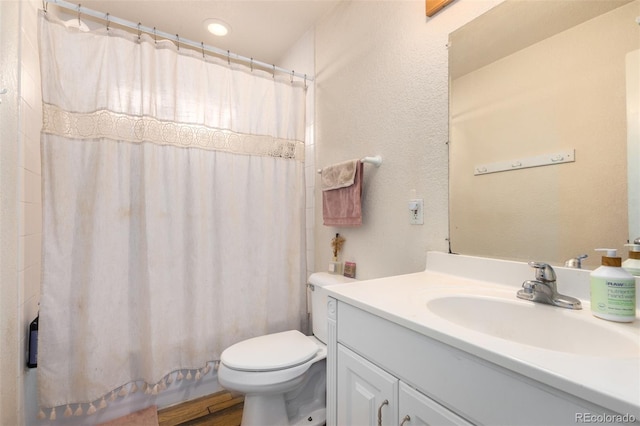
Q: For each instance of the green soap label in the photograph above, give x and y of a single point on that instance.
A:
(613, 297)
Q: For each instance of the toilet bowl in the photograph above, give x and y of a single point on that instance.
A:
(283, 375)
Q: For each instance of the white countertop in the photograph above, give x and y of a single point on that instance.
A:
(611, 382)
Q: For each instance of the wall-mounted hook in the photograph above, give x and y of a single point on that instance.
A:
(2, 92)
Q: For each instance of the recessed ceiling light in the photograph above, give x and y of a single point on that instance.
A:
(217, 27)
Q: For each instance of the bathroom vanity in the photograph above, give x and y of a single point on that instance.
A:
(454, 345)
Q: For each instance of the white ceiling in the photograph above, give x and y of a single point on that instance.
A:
(260, 29)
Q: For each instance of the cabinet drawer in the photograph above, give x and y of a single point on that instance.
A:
(423, 411)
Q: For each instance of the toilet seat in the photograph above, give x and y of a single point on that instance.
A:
(271, 352)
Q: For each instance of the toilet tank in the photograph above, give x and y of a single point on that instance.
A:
(318, 282)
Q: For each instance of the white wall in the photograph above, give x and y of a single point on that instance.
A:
(382, 88)
(29, 194)
(10, 371)
(21, 206)
(300, 58)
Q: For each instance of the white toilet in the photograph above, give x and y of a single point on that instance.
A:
(283, 375)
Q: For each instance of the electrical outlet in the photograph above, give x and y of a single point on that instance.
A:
(416, 211)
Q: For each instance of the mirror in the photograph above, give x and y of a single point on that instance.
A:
(544, 82)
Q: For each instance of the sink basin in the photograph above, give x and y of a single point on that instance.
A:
(539, 325)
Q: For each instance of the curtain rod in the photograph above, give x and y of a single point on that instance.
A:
(173, 37)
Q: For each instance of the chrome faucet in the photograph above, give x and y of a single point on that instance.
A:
(543, 289)
(576, 262)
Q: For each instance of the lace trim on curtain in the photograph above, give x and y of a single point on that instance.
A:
(124, 391)
(137, 129)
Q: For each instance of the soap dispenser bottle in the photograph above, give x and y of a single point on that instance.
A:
(613, 290)
(632, 264)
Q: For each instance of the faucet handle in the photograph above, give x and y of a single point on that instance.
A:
(576, 262)
(544, 272)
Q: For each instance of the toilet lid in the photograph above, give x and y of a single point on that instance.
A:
(270, 352)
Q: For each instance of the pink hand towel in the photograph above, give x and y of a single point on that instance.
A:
(342, 194)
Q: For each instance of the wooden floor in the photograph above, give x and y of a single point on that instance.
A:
(219, 409)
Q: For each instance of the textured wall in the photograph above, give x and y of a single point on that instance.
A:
(382, 88)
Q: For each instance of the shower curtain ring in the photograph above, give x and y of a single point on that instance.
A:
(178, 41)
(202, 45)
(228, 57)
(274, 70)
(305, 82)
(108, 22)
(44, 6)
(251, 64)
(79, 6)
(155, 36)
(139, 31)
(292, 73)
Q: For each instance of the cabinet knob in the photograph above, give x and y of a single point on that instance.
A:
(385, 402)
(405, 419)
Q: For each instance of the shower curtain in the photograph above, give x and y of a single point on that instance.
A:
(173, 212)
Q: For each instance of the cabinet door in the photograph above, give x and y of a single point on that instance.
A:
(364, 392)
(418, 409)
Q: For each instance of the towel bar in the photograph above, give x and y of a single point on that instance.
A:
(375, 160)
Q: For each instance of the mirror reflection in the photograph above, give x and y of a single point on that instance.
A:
(531, 79)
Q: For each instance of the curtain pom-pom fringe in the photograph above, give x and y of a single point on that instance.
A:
(103, 404)
(189, 376)
(41, 415)
(112, 397)
(123, 391)
(79, 411)
(198, 375)
(206, 370)
(52, 416)
(91, 410)
(134, 388)
(68, 412)
(169, 379)
(179, 376)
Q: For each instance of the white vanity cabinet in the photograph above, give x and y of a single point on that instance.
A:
(376, 366)
(368, 395)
